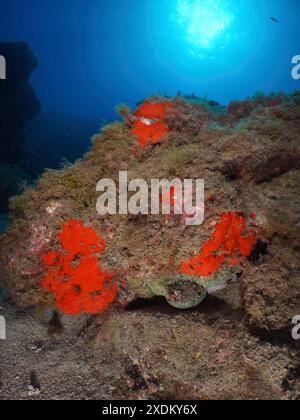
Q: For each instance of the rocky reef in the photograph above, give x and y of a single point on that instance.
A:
(241, 267)
(18, 102)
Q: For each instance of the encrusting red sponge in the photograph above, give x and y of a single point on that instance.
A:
(150, 127)
(154, 110)
(229, 241)
(75, 276)
(149, 133)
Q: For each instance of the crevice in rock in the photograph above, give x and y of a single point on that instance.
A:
(212, 307)
(231, 171)
(289, 382)
(280, 337)
(261, 248)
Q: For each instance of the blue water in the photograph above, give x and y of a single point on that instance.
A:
(95, 54)
(3, 222)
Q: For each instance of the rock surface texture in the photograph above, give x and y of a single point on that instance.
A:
(237, 343)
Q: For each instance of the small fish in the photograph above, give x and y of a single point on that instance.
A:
(274, 20)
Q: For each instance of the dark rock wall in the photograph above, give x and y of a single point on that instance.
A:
(18, 101)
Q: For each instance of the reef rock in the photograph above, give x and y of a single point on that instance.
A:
(18, 102)
(248, 246)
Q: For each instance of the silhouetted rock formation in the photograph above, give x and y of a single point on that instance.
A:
(12, 182)
(18, 101)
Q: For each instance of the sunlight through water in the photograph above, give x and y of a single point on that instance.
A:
(203, 20)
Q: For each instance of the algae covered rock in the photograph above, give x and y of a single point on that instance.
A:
(250, 233)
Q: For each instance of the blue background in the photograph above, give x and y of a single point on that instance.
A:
(95, 54)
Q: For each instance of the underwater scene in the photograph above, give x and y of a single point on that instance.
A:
(149, 202)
